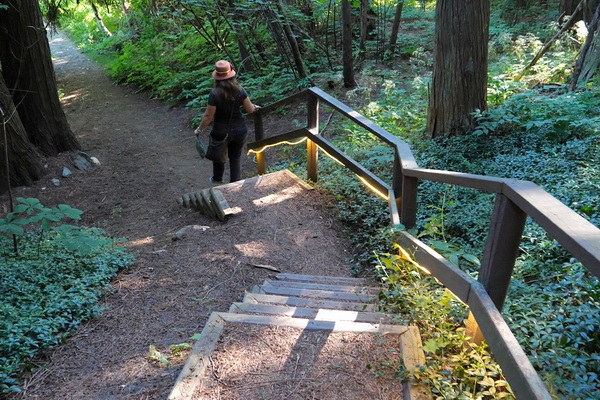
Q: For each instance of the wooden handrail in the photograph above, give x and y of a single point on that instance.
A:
(515, 201)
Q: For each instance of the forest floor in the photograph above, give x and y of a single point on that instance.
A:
(148, 160)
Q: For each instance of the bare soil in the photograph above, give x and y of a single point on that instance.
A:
(147, 161)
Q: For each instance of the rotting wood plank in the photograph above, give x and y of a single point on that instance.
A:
(312, 313)
(326, 287)
(410, 347)
(318, 294)
(335, 280)
(307, 302)
(189, 377)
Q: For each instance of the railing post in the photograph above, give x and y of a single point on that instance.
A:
(499, 256)
(405, 190)
(259, 133)
(502, 246)
(312, 154)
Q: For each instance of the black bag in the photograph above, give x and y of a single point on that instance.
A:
(217, 150)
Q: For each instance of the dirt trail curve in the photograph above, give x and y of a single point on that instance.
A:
(148, 160)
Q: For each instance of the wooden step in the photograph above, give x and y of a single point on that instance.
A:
(308, 302)
(330, 280)
(369, 290)
(267, 288)
(321, 314)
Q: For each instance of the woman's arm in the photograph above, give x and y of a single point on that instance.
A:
(209, 115)
(248, 106)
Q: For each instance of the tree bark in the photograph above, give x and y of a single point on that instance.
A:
(99, 20)
(291, 39)
(396, 26)
(588, 62)
(459, 82)
(23, 159)
(364, 27)
(570, 8)
(29, 74)
(348, 65)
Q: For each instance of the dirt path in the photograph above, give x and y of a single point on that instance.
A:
(148, 160)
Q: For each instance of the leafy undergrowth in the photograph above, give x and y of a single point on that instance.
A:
(50, 284)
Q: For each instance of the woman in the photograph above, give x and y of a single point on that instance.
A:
(224, 102)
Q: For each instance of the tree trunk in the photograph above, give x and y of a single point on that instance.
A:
(348, 69)
(569, 7)
(396, 26)
(29, 74)
(588, 62)
(291, 40)
(459, 82)
(364, 27)
(99, 20)
(24, 161)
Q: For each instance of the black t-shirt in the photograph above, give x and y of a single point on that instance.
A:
(228, 114)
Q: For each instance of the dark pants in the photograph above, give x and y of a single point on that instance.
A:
(235, 145)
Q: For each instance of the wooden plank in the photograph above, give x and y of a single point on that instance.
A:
(351, 164)
(520, 374)
(336, 280)
(197, 361)
(289, 136)
(326, 287)
(320, 314)
(410, 347)
(393, 204)
(356, 117)
(187, 203)
(501, 248)
(223, 208)
(448, 274)
(211, 208)
(575, 233)
(479, 182)
(408, 212)
(316, 294)
(308, 324)
(308, 302)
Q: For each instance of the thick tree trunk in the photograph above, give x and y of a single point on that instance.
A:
(348, 65)
(460, 66)
(588, 62)
(29, 74)
(23, 159)
(567, 8)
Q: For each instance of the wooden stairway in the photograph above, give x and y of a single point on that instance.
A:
(305, 303)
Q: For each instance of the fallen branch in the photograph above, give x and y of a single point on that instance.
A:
(549, 43)
(264, 266)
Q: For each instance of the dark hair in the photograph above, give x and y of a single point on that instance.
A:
(228, 88)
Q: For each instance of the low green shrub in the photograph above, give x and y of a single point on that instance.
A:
(50, 285)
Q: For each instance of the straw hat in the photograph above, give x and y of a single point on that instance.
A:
(223, 70)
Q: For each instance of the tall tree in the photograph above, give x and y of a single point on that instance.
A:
(348, 65)
(460, 55)
(29, 74)
(23, 159)
(588, 62)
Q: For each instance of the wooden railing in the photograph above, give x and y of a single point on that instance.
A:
(515, 201)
